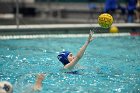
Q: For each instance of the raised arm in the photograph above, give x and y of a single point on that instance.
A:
(38, 83)
(80, 53)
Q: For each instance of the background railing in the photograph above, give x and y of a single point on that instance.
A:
(54, 11)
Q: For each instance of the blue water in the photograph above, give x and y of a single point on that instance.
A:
(110, 65)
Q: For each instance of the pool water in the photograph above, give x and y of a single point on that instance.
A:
(110, 64)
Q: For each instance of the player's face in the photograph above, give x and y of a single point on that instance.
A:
(70, 57)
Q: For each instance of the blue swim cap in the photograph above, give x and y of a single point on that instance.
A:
(63, 57)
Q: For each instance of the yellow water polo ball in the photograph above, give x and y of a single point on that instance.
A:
(114, 29)
(105, 20)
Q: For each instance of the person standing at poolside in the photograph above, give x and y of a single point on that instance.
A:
(111, 6)
(138, 11)
(131, 7)
(67, 58)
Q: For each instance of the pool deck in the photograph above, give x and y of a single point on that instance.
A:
(67, 26)
(47, 29)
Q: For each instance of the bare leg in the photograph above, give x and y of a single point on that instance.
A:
(138, 16)
(38, 83)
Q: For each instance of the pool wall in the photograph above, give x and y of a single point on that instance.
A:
(63, 29)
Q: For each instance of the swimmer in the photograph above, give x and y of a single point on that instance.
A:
(68, 59)
(6, 87)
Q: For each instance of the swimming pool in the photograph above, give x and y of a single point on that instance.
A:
(110, 64)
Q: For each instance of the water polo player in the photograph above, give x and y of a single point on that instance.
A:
(67, 58)
(6, 87)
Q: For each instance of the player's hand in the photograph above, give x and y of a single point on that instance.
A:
(90, 38)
